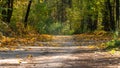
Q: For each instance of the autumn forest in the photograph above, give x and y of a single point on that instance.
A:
(68, 30)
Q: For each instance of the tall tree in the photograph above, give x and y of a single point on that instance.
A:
(70, 3)
(27, 13)
(10, 10)
(117, 14)
(61, 9)
(111, 16)
(4, 12)
(92, 15)
(7, 14)
(108, 16)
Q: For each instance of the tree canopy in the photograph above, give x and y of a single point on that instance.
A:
(59, 16)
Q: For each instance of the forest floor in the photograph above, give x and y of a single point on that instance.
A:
(80, 51)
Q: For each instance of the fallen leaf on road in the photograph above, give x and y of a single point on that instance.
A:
(29, 56)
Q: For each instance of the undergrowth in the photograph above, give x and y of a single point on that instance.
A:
(115, 43)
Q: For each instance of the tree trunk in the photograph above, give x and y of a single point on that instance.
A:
(70, 3)
(108, 17)
(112, 22)
(117, 14)
(89, 24)
(10, 10)
(27, 13)
(95, 22)
(61, 11)
(6, 15)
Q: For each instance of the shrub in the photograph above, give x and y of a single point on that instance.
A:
(5, 29)
(113, 44)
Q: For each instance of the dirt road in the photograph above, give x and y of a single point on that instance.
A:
(59, 57)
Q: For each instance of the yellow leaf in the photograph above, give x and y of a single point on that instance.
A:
(91, 46)
(29, 56)
(19, 61)
(41, 1)
(112, 51)
(12, 49)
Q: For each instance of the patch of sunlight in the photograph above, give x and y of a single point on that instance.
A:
(64, 57)
(11, 61)
(78, 46)
(117, 53)
(54, 64)
(112, 51)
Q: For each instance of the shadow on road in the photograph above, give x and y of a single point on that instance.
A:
(65, 57)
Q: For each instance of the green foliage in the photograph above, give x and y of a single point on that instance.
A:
(115, 43)
(116, 34)
(54, 28)
(58, 16)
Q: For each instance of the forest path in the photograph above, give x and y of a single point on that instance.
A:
(73, 40)
(69, 56)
